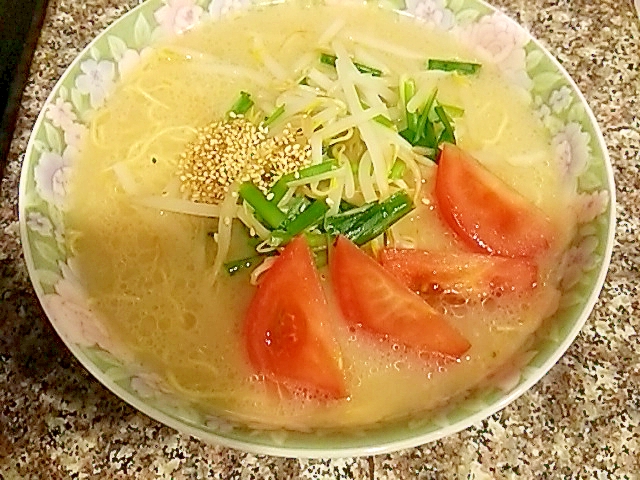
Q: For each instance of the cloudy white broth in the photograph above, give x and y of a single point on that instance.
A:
(158, 275)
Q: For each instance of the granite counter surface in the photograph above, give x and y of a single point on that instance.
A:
(580, 421)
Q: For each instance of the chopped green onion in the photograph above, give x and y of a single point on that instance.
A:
(347, 220)
(453, 111)
(447, 134)
(328, 59)
(388, 212)
(397, 171)
(236, 266)
(423, 128)
(371, 220)
(274, 116)
(296, 206)
(308, 217)
(382, 120)
(409, 90)
(344, 206)
(242, 104)
(316, 241)
(279, 189)
(466, 68)
(267, 211)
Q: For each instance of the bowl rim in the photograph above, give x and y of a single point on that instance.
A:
(412, 440)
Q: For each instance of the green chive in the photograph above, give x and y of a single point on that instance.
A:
(236, 266)
(453, 111)
(264, 209)
(382, 120)
(409, 90)
(316, 241)
(279, 189)
(447, 134)
(365, 223)
(388, 212)
(328, 59)
(422, 129)
(465, 68)
(274, 116)
(397, 171)
(307, 218)
(242, 104)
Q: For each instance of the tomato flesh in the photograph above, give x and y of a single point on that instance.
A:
(464, 274)
(287, 327)
(374, 300)
(487, 214)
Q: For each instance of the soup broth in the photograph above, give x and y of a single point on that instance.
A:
(148, 271)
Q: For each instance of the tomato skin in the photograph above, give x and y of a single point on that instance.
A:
(287, 327)
(464, 274)
(486, 213)
(372, 299)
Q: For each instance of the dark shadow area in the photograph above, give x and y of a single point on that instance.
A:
(20, 24)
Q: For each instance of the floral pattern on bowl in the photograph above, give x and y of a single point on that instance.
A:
(56, 141)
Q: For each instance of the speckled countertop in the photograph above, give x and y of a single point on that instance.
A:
(581, 421)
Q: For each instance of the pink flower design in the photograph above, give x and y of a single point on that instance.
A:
(39, 223)
(572, 150)
(561, 99)
(148, 385)
(51, 176)
(432, 12)
(178, 16)
(501, 41)
(578, 259)
(219, 8)
(74, 134)
(588, 206)
(96, 80)
(130, 59)
(71, 313)
(61, 113)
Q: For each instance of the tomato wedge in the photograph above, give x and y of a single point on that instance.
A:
(287, 328)
(374, 300)
(464, 274)
(486, 213)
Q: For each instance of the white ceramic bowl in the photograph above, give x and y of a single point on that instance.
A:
(50, 157)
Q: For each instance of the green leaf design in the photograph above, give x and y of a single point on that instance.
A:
(63, 93)
(95, 53)
(47, 277)
(117, 47)
(117, 373)
(57, 217)
(47, 251)
(590, 180)
(393, 4)
(141, 31)
(576, 113)
(543, 82)
(39, 146)
(79, 101)
(467, 16)
(533, 59)
(102, 359)
(455, 5)
(54, 139)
